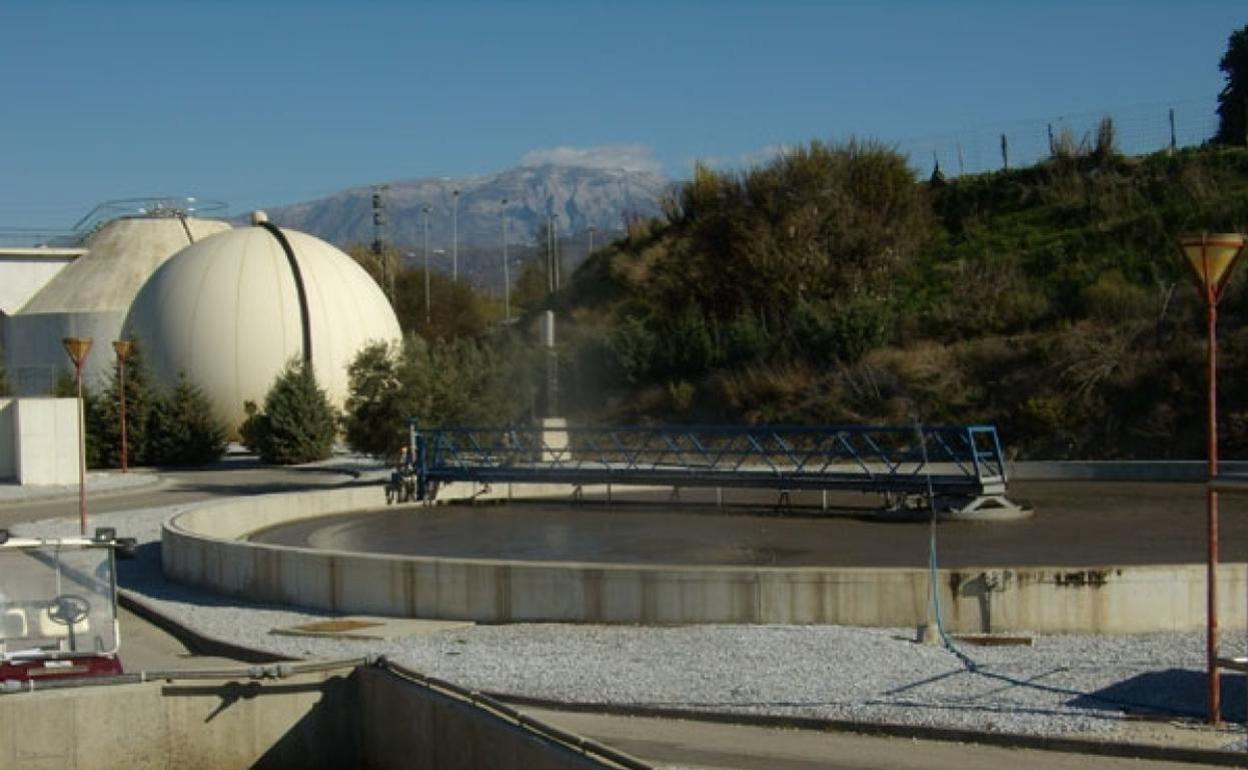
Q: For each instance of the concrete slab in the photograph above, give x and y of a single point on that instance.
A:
(372, 628)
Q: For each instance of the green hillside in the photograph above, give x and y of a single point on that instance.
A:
(832, 285)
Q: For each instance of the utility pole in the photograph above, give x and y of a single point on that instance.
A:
(506, 269)
(550, 255)
(428, 315)
(455, 235)
(554, 246)
(379, 247)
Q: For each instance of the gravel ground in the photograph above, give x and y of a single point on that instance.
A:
(1061, 685)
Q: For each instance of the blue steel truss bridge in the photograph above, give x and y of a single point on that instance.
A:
(956, 469)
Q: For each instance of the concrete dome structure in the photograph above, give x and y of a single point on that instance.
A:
(91, 296)
(229, 312)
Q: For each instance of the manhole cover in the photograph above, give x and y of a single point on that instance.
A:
(334, 626)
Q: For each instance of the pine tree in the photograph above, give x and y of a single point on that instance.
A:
(141, 396)
(298, 424)
(184, 429)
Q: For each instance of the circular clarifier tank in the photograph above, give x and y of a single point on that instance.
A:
(1082, 524)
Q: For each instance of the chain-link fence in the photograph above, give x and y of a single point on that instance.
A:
(1138, 130)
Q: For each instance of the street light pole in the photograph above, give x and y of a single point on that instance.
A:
(428, 314)
(550, 255)
(77, 348)
(554, 246)
(506, 269)
(123, 348)
(1212, 257)
(455, 235)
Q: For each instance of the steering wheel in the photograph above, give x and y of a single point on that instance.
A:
(68, 609)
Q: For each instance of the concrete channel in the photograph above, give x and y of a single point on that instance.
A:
(339, 716)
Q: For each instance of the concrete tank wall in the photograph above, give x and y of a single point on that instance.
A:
(36, 356)
(223, 725)
(370, 719)
(202, 547)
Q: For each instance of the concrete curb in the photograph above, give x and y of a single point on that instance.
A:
(916, 732)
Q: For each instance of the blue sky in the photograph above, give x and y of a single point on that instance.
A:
(267, 102)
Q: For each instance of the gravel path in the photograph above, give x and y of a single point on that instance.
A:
(1061, 685)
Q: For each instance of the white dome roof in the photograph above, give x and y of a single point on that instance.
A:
(225, 311)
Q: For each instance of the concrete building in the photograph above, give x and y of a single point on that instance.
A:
(24, 271)
(233, 309)
(90, 295)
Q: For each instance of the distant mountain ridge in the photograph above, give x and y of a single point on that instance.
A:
(579, 197)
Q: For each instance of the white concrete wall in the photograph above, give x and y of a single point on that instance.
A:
(23, 272)
(203, 547)
(45, 440)
(369, 719)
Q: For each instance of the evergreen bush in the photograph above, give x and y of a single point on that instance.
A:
(376, 405)
(141, 396)
(183, 428)
(298, 424)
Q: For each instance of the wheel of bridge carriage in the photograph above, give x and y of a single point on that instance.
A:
(389, 494)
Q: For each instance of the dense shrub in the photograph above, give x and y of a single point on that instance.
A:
(183, 428)
(297, 424)
(444, 382)
(378, 403)
(830, 331)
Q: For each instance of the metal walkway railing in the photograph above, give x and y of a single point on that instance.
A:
(961, 461)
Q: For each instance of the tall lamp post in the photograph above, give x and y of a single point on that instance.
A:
(428, 315)
(77, 348)
(1212, 257)
(123, 348)
(506, 270)
(455, 235)
(554, 246)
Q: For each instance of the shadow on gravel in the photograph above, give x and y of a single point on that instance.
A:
(1174, 691)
